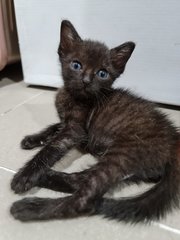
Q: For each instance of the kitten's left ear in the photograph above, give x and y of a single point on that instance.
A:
(68, 36)
(121, 54)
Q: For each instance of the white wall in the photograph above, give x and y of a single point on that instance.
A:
(154, 69)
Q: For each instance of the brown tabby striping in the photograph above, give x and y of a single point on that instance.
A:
(127, 135)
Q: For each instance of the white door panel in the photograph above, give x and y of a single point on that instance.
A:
(154, 69)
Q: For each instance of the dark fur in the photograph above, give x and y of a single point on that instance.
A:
(126, 134)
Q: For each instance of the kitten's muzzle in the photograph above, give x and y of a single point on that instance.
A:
(86, 80)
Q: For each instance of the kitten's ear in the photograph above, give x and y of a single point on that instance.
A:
(121, 54)
(68, 37)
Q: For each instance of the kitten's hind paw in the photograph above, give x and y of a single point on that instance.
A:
(30, 142)
(29, 209)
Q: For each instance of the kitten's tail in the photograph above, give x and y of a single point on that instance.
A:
(151, 205)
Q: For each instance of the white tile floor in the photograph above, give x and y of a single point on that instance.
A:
(25, 110)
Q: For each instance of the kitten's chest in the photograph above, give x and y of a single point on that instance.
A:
(70, 110)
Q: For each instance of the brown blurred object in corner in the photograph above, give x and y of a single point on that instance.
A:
(9, 48)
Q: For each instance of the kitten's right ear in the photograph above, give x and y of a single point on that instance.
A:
(68, 36)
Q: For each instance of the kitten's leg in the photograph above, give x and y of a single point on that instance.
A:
(71, 182)
(60, 181)
(97, 180)
(42, 138)
(28, 176)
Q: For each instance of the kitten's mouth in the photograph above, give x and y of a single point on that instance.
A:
(88, 90)
(83, 88)
(84, 91)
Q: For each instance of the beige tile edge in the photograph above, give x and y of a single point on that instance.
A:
(167, 228)
(22, 103)
(7, 169)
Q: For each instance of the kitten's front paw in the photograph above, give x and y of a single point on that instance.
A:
(30, 142)
(24, 180)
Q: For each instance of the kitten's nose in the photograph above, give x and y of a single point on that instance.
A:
(86, 80)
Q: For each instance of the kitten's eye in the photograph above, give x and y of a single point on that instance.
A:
(75, 65)
(102, 74)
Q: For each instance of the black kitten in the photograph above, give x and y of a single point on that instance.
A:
(126, 134)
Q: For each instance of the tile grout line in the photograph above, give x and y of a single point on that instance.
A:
(167, 228)
(8, 170)
(20, 104)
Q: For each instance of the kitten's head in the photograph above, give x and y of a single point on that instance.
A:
(89, 67)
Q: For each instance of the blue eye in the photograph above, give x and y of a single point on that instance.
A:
(75, 65)
(102, 74)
